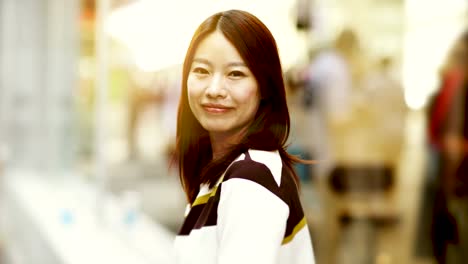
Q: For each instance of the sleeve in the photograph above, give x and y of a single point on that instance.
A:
(251, 222)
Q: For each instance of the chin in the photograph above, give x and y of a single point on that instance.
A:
(217, 128)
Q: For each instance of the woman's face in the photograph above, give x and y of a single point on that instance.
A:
(222, 92)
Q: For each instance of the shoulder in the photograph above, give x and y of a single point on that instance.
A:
(262, 167)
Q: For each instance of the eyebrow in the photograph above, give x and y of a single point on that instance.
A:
(207, 62)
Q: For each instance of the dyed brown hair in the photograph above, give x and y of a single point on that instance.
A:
(270, 128)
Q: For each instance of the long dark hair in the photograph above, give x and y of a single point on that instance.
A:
(270, 128)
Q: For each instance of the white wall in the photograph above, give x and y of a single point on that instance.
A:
(430, 30)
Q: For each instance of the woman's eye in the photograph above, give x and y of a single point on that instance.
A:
(200, 70)
(236, 74)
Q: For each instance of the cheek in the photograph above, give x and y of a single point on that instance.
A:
(192, 94)
(249, 97)
(193, 89)
(249, 94)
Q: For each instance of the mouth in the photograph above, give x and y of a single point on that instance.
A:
(216, 108)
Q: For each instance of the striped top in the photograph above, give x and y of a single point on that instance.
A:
(252, 215)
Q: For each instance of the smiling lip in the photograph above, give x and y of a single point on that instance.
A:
(216, 108)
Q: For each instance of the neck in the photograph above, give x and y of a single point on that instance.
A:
(221, 143)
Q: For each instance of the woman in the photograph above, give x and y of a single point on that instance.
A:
(233, 123)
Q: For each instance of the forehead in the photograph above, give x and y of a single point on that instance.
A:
(215, 46)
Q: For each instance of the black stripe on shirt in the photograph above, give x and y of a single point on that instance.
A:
(296, 213)
(205, 213)
(202, 214)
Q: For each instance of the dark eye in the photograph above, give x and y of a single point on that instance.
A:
(200, 70)
(236, 74)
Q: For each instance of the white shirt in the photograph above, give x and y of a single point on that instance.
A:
(253, 215)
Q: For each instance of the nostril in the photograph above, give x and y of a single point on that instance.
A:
(216, 90)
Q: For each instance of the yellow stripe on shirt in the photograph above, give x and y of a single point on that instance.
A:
(296, 229)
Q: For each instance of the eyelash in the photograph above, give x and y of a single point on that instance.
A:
(234, 74)
(238, 74)
(200, 70)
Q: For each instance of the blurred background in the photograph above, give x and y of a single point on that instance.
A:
(88, 98)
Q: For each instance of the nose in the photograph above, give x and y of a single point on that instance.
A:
(216, 87)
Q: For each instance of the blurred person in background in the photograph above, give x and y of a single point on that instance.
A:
(448, 138)
(331, 76)
(304, 121)
(233, 125)
(328, 76)
(385, 99)
(363, 112)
